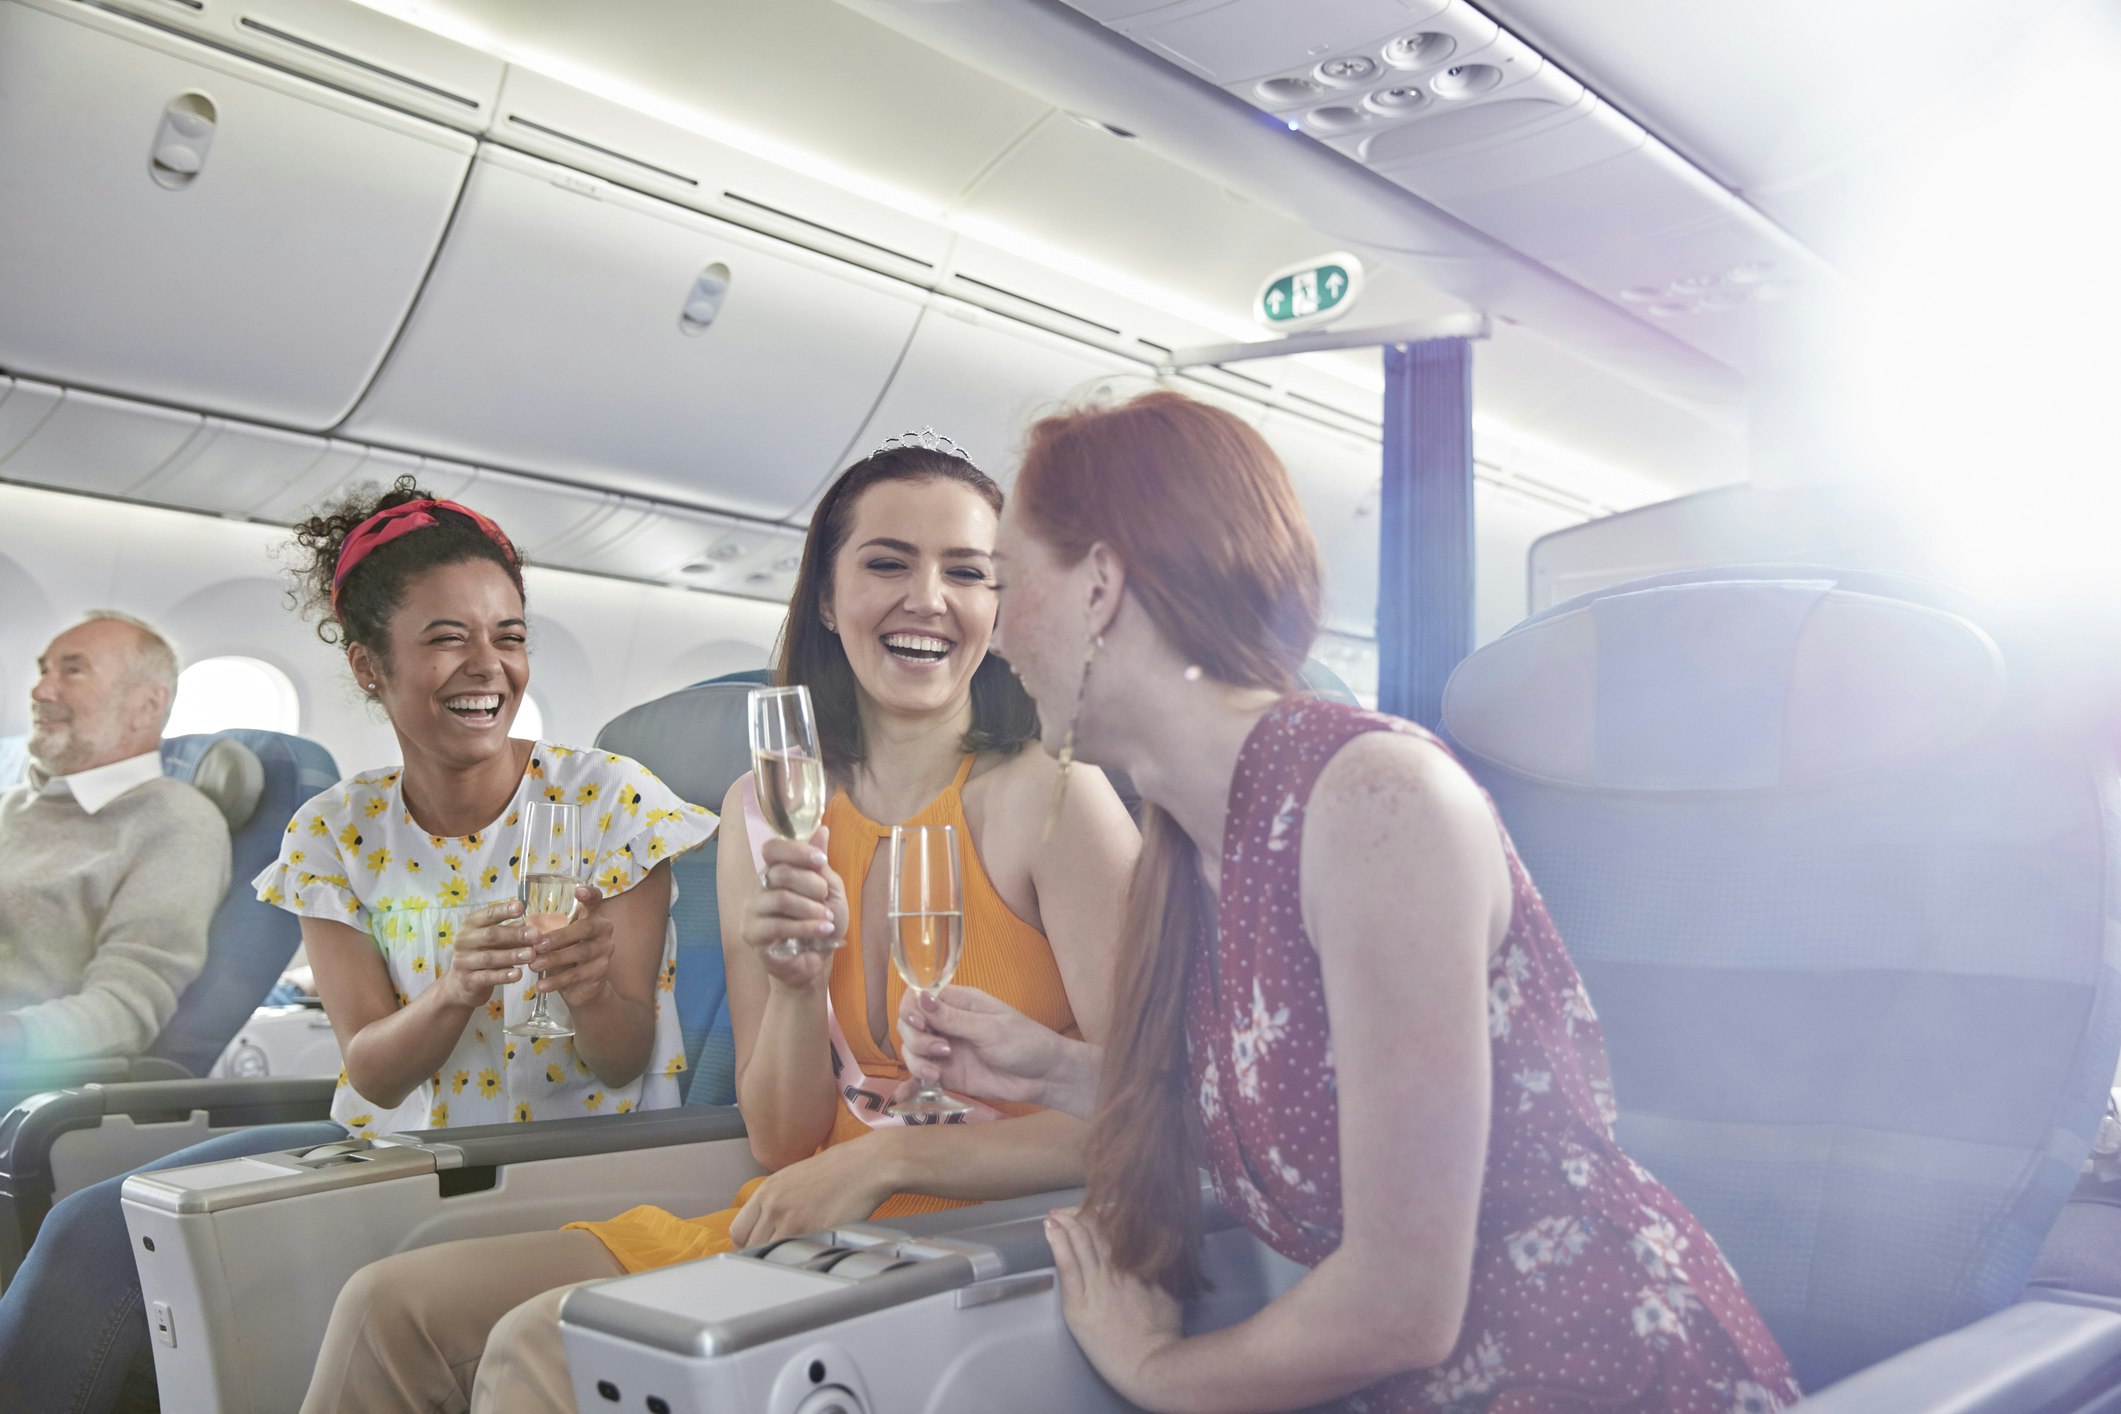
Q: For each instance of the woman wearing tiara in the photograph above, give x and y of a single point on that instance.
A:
(405, 883)
(888, 629)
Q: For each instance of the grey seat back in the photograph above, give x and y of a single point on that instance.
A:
(1841, 894)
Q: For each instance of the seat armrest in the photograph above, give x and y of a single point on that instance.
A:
(2037, 1357)
(497, 1145)
(30, 1127)
(20, 1079)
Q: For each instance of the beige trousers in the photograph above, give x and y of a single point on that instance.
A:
(459, 1326)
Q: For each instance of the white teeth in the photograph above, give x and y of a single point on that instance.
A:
(917, 642)
(473, 704)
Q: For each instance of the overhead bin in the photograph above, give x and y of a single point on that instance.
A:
(585, 331)
(349, 46)
(186, 225)
(547, 118)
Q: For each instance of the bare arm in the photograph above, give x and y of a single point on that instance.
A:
(777, 1005)
(388, 1049)
(1405, 894)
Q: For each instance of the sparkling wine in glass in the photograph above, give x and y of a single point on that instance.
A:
(927, 931)
(552, 862)
(788, 771)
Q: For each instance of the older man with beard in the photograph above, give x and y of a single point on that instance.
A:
(109, 871)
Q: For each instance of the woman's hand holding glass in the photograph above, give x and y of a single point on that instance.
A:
(964, 1040)
(574, 959)
(491, 949)
(799, 897)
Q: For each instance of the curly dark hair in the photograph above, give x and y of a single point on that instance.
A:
(376, 587)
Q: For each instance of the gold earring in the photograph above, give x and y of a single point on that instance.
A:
(1067, 749)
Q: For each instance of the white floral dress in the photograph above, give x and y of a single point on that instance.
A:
(353, 855)
(1593, 1288)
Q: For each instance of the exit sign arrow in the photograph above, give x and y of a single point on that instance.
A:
(1312, 293)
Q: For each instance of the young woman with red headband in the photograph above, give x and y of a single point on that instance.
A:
(406, 886)
(1339, 992)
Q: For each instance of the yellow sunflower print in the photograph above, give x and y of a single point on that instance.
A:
(522, 1112)
(489, 1082)
(458, 1081)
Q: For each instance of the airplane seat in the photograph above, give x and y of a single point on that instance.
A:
(273, 775)
(667, 736)
(1836, 884)
(78, 1122)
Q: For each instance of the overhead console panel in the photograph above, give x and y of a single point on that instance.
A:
(182, 224)
(1439, 99)
(583, 330)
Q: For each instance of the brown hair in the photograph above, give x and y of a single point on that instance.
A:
(1003, 716)
(376, 586)
(1217, 550)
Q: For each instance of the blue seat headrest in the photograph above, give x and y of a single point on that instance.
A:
(696, 739)
(1720, 685)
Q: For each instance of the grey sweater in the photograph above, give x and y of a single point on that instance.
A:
(103, 917)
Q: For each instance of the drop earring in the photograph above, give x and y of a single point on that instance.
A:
(1067, 748)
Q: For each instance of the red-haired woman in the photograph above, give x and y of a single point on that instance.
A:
(1334, 957)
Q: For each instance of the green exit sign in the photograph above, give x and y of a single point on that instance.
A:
(1315, 292)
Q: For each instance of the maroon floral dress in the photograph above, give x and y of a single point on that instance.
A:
(1593, 1288)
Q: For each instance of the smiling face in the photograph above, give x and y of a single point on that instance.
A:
(91, 705)
(456, 666)
(912, 593)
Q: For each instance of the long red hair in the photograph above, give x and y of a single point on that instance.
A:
(1217, 551)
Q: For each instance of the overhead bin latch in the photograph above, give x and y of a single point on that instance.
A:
(704, 300)
(182, 140)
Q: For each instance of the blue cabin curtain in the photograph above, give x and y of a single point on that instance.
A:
(1425, 550)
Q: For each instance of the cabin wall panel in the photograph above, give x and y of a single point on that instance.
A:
(268, 284)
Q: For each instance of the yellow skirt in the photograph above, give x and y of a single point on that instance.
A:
(645, 1238)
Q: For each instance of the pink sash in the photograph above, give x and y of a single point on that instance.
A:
(864, 1096)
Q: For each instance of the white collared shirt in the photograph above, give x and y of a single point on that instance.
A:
(98, 786)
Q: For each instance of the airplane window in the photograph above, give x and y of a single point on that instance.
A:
(215, 694)
(530, 719)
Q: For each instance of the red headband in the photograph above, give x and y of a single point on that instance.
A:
(387, 525)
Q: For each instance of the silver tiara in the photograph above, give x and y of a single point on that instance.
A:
(927, 439)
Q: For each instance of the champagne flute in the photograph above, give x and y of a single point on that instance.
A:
(552, 863)
(927, 931)
(788, 772)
